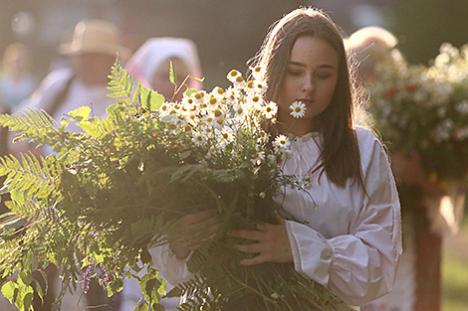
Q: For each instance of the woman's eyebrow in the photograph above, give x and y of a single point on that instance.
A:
(299, 64)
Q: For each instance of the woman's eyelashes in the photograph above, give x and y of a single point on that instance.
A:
(322, 75)
(294, 72)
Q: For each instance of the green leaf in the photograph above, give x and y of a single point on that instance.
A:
(92, 127)
(172, 77)
(152, 286)
(142, 306)
(9, 290)
(63, 122)
(79, 114)
(150, 100)
(25, 294)
(27, 301)
(189, 91)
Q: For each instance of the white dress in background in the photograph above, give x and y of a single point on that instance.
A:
(79, 94)
(340, 237)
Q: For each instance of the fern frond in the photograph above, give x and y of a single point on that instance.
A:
(188, 288)
(121, 83)
(37, 176)
(32, 124)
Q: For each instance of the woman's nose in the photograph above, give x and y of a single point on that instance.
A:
(308, 85)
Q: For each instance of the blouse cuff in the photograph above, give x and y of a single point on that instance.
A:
(174, 270)
(311, 252)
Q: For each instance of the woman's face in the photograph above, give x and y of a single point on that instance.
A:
(310, 77)
(163, 85)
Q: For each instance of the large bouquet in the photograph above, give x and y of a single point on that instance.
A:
(123, 184)
(425, 109)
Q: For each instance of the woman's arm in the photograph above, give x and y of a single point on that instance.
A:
(359, 266)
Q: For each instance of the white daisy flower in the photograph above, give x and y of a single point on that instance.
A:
(250, 85)
(235, 77)
(188, 101)
(198, 138)
(218, 92)
(281, 143)
(239, 109)
(256, 101)
(164, 109)
(199, 96)
(257, 72)
(259, 159)
(270, 110)
(297, 109)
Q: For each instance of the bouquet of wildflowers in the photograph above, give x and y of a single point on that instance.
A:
(425, 109)
(123, 184)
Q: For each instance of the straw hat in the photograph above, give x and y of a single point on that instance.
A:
(95, 36)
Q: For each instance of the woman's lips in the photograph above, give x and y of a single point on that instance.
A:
(306, 101)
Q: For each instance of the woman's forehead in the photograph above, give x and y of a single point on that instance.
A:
(308, 50)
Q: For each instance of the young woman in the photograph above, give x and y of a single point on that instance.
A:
(344, 230)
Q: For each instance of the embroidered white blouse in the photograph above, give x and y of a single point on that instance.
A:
(340, 237)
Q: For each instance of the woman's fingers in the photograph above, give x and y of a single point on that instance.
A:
(254, 235)
(250, 248)
(253, 261)
(272, 244)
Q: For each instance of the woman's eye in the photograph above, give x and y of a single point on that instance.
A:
(294, 72)
(323, 75)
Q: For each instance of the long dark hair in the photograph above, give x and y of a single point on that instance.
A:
(340, 157)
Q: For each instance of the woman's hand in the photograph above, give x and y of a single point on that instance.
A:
(270, 243)
(191, 239)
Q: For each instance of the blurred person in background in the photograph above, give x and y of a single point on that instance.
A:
(16, 83)
(418, 283)
(150, 65)
(92, 52)
(370, 47)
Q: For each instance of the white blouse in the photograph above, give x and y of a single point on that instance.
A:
(340, 237)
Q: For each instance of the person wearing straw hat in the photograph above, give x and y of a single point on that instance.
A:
(92, 51)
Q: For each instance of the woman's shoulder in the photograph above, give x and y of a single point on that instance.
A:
(370, 145)
(365, 136)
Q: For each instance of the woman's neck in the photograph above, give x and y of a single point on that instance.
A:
(297, 127)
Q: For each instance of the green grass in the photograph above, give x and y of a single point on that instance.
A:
(455, 272)
(455, 278)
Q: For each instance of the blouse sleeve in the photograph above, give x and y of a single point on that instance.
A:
(174, 270)
(359, 266)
